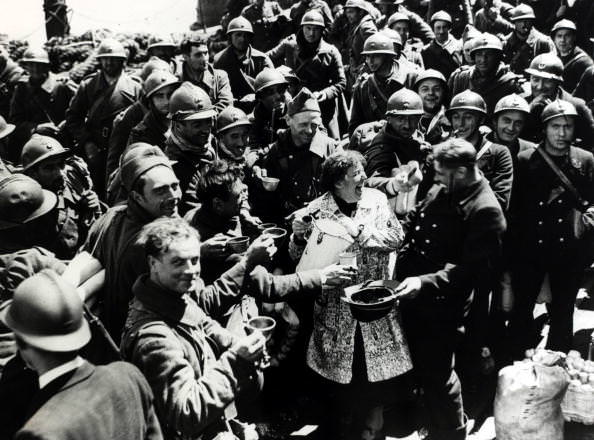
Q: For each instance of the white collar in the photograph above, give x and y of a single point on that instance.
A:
(54, 373)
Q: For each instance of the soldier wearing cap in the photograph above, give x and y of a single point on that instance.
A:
(417, 26)
(105, 402)
(98, 100)
(509, 119)
(546, 78)
(197, 70)
(153, 191)
(444, 52)
(162, 47)
(318, 66)
(524, 42)
(158, 89)
(410, 46)
(467, 112)
(459, 10)
(361, 27)
(267, 19)
(575, 59)
(416, 65)
(490, 18)
(432, 87)
(242, 62)
(489, 76)
(371, 94)
(301, 7)
(39, 98)
(295, 159)
(51, 165)
(545, 239)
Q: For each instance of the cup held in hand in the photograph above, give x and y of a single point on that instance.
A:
(270, 183)
(264, 324)
(277, 234)
(238, 245)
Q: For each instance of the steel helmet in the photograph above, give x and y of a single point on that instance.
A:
(111, 48)
(396, 17)
(313, 18)
(190, 102)
(512, 102)
(389, 2)
(268, 77)
(231, 117)
(430, 74)
(392, 35)
(39, 148)
(522, 12)
(22, 200)
(158, 80)
(564, 24)
(378, 44)
(468, 100)
(5, 128)
(288, 73)
(486, 41)
(47, 313)
(546, 65)
(441, 16)
(161, 41)
(240, 24)
(557, 108)
(359, 4)
(404, 102)
(37, 55)
(154, 63)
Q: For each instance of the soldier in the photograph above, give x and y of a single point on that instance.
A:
(46, 316)
(371, 94)
(411, 46)
(387, 8)
(49, 163)
(444, 52)
(269, 114)
(489, 19)
(5, 151)
(432, 87)
(488, 77)
(459, 10)
(452, 240)
(157, 88)
(575, 60)
(404, 62)
(301, 7)
(98, 100)
(39, 98)
(361, 27)
(546, 77)
(197, 70)
(417, 26)
(162, 47)
(509, 118)
(318, 66)
(555, 185)
(467, 112)
(525, 42)
(267, 19)
(585, 88)
(242, 63)
(10, 74)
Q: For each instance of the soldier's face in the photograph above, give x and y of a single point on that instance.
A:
(304, 126)
(486, 60)
(178, 268)
(564, 41)
(523, 27)
(231, 206)
(386, 9)
(402, 28)
(112, 66)
(240, 41)
(273, 97)
(375, 62)
(404, 125)
(38, 72)
(559, 132)
(161, 193)
(441, 29)
(196, 131)
(197, 58)
(352, 15)
(465, 123)
(543, 86)
(509, 125)
(160, 99)
(432, 93)
(50, 174)
(312, 33)
(235, 140)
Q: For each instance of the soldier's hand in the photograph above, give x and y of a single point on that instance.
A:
(90, 200)
(251, 347)
(91, 151)
(214, 247)
(260, 251)
(409, 288)
(338, 275)
(320, 95)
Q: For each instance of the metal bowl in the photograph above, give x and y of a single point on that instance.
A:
(370, 301)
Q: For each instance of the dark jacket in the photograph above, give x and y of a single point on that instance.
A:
(215, 82)
(302, 6)
(268, 22)
(444, 59)
(574, 66)
(518, 54)
(585, 88)
(496, 163)
(355, 40)
(265, 126)
(106, 402)
(151, 130)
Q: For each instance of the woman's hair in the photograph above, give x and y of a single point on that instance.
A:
(157, 236)
(336, 166)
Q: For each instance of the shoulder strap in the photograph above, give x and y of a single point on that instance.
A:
(561, 175)
(377, 88)
(483, 150)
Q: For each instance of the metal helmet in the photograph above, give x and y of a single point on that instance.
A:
(190, 102)
(153, 64)
(5, 128)
(404, 102)
(513, 102)
(378, 44)
(161, 41)
(486, 41)
(22, 200)
(111, 48)
(240, 24)
(564, 24)
(40, 148)
(288, 73)
(441, 16)
(389, 2)
(37, 55)
(392, 35)
(431, 74)
(158, 80)
(359, 4)
(268, 77)
(546, 65)
(396, 17)
(231, 117)
(313, 18)
(468, 100)
(522, 12)
(557, 108)
(47, 313)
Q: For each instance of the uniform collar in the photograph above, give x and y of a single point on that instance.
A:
(58, 371)
(49, 84)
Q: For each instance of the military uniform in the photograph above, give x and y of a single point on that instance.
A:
(215, 82)
(302, 6)
(355, 41)
(10, 74)
(152, 130)
(518, 54)
(265, 126)
(264, 19)
(497, 26)
(435, 128)
(585, 88)
(445, 57)
(574, 66)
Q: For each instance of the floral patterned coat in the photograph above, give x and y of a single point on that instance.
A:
(331, 347)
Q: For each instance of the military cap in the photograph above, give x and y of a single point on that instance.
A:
(512, 102)
(157, 81)
(404, 102)
(313, 18)
(441, 16)
(304, 101)
(378, 44)
(468, 100)
(138, 160)
(564, 24)
(557, 108)
(240, 24)
(522, 12)
(546, 65)
(430, 74)
(267, 78)
(231, 117)
(190, 102)
(486, 41)
(396, 17)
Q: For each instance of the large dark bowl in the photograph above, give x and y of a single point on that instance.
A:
(370, 302)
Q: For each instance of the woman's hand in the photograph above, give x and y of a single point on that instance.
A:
(300, 227)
